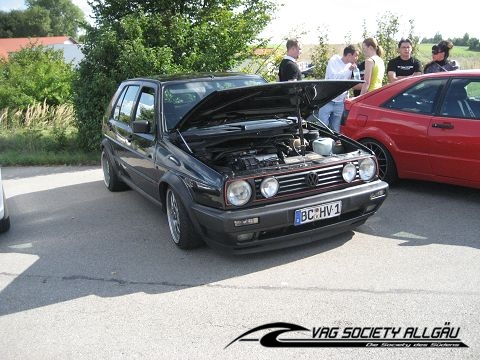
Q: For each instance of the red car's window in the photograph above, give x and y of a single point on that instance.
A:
(461, 99)
(418, 99)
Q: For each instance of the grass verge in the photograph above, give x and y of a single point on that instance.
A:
(13, 158)
(42, 134)
(30, 147)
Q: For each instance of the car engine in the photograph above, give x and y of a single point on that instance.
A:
(238, 148)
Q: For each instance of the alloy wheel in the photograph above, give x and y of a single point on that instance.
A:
(106, 169)
(173, 216)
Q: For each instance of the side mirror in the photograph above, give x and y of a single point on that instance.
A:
(142, 126)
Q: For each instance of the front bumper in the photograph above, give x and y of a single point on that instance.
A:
(275, 228)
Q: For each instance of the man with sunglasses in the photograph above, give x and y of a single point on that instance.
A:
(440, 62)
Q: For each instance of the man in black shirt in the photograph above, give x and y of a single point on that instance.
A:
(289, 70)
(404, 65)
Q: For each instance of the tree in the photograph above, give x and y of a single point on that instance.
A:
(65, 17)
(42, 18)
(437, 38)
(386, 35)
(35, 74)
(321, 54)
(7, 24)
(23, 23)
(474, 44)
(35, 23)
(139, 38)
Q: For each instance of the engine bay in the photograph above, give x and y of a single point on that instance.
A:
(245, 147)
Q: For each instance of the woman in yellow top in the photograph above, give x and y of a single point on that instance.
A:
(374, 65)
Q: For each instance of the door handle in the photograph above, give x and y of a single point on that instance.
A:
(442, 126)
(174, 160)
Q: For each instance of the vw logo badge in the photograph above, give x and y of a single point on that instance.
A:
(311, 179)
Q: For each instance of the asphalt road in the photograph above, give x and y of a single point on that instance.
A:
(90, 274)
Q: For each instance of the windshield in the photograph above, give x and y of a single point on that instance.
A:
(179, 98)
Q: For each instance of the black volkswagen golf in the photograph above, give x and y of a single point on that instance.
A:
(235, 163)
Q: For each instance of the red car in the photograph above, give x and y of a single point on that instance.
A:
(425, 127)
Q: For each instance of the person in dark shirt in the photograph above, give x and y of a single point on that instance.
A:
(440, 62)
(289, 70)
(404, 65)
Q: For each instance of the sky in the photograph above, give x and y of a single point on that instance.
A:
(343, 21)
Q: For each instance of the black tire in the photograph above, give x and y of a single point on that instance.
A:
(386, 165)
(4, 224)
(179, 224)
(110, 177)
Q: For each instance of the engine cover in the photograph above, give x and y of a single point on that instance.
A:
(254, 162)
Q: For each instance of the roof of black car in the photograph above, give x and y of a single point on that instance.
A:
(195, 76)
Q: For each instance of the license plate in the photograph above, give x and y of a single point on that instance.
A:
(323, 211)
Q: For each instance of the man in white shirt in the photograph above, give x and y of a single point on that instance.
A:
(340, 68)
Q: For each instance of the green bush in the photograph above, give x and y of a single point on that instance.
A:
(35, 75)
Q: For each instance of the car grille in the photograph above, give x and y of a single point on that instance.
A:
(307, 180)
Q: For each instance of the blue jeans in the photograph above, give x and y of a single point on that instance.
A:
(331, 114)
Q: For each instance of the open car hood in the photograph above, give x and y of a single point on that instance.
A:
(280, 99)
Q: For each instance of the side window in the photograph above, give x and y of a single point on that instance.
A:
(118, 105)
(417, 99)
(145, 108)
(124, 106)
(462, 99)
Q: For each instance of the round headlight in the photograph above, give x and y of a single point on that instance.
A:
(349, 172)
(269, 187)
(367, 168)
(239, 192)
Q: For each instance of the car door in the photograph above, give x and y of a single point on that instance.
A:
(407, 118)
(454, 135)
(119, 123)
(140, 163)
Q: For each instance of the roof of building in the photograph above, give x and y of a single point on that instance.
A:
(9, 45)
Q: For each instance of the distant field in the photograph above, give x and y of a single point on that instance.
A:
(466, 58)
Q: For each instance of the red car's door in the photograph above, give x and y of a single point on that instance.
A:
(455, 148)
(408, 133)
(454, 135)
